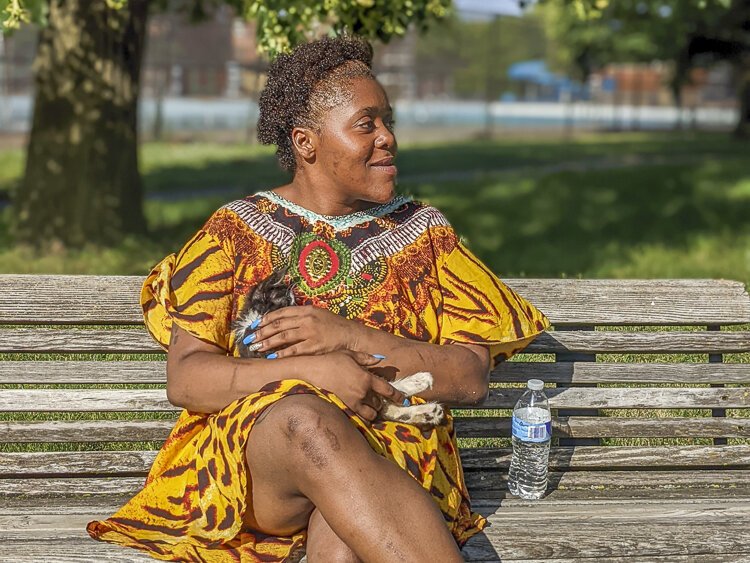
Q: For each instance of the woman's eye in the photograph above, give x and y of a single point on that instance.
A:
(368, 125)
(391, 123)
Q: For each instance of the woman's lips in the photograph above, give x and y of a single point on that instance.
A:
(389, 169)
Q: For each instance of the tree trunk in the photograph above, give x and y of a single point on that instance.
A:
(82, 182)
(742, 129)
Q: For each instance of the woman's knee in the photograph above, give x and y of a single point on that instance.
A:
(305, 428)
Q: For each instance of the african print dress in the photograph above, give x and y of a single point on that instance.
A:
(398, 267)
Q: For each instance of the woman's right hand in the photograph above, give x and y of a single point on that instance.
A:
(346, 374)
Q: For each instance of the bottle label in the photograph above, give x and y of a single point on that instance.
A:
(527, 432)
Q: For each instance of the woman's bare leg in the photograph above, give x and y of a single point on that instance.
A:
(324, 546)
(307, 455)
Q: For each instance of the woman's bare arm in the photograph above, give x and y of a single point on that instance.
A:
(461, 372)
(202, 378)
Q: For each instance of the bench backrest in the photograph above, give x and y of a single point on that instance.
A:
(66, 341)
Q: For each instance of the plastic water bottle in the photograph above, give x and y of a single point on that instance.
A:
(532, 431)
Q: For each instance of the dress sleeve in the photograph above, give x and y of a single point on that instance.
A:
(478, 308)
(192, 289)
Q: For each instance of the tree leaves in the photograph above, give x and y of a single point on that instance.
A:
(281, 24)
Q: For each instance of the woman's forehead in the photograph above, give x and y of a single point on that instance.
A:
(366, 96)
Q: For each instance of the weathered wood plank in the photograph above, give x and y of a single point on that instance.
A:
(603, 372)
(83, 372)
(76, 518)
(85, 400)
(85, 430)
(709, 534)
(604, 482)
(90, 372)
(78, 341)
(116, 400)
(612, 539)
(78, 300)
(87, 488)
(609, 427)
(603, 342)
(466, 427)
(573, 487)
(617, 457)
(136, 341)
(556, 500)
(61, 550)
(114, 463)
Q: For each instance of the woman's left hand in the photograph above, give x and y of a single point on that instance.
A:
(305, 331)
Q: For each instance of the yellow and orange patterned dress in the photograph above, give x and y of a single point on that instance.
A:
(397, 267)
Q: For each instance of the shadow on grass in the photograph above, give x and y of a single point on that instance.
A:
(575, 222)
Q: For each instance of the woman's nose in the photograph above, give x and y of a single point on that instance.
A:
(386, 139)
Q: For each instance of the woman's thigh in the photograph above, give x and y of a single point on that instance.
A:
(288, 451)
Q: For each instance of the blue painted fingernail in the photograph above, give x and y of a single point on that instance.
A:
(379, 356)
(248, 339)
(406, 403)
(255, 324)
(272, 356)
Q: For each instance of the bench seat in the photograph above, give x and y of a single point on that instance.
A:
(649, 382)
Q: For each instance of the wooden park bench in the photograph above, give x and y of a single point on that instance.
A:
(683, 494)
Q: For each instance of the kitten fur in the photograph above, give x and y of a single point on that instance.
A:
(276, 292)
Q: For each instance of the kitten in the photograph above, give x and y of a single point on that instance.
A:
(274, 293)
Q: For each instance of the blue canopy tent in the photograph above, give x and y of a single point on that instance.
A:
(540, 84)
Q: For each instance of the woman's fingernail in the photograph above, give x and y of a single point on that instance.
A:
(379, 356)
(248, 339)
(255, 324)
(406, 403)
(272, 356)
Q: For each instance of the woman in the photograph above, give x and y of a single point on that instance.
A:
(276, 452)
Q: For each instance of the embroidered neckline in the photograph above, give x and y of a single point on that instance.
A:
(338, 222)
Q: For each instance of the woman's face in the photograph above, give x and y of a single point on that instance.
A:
(356, 147)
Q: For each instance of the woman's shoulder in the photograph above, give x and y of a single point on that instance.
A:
(414, 210)
(238, 217)
(419, 216)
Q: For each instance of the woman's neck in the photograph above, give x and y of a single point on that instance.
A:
(319, 198)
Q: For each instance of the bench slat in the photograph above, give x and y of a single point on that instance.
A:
(76, 340)
(85, 431)
(604, 372)
(83, 372)
(601, 484)
(639, 541)
(466, 427)
(117, 463)
(570, 486)
(610, 427)
(573, 531)
(154, 372)
(66, 299)
(117, 400)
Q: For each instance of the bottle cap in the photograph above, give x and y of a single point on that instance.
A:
(535, 384)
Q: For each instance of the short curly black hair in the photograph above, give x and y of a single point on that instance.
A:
(303, 84)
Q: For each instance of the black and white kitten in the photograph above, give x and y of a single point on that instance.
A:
(276, 292)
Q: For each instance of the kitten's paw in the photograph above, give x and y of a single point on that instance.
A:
(413, 384)
(430, 414)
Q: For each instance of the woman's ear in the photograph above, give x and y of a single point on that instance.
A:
(304, 141)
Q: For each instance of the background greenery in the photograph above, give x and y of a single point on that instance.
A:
(608, 205)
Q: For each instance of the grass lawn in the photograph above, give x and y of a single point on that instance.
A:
(616, 205)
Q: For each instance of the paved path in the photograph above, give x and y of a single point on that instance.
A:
(606, 163)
